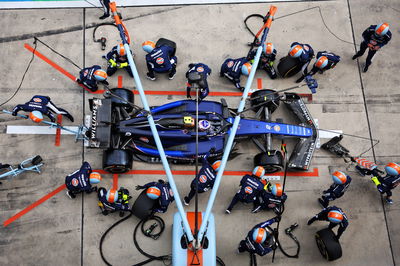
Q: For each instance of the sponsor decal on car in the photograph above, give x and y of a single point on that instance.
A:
(277, 128)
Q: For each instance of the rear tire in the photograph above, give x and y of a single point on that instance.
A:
(264, 96)
(117, 161)
(272, 161)
(288, 66)
(328, 245)
(125, 94)
(163, 41)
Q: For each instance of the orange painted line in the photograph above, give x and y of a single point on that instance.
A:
(58, 131)
(314, 173)
(192, 258)
(119, 81)
(33, 205)
(115, 181)
(259, 83)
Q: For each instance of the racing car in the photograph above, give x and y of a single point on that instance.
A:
(121, 129)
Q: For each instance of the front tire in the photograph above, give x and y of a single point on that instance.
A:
(117, 161)
(272, 161)
(269, 97)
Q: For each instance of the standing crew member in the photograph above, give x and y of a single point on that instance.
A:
(106, 7)
(203, 71)
(267, 59)
(117, 59)
(43, 105)
(251, 187)
(160, 59)
(260, 239)
(90, 76)
(113, 200)
(233, 68)
(271, 197)
(341, 183)
(304, 53)
(160, 190)
(82, 180)
(325, 61)
(335, 216)
(374, 38)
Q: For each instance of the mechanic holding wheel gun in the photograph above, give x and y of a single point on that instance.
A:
(267, 59)
(112, 200)
(204, 71)
(160, 191)
(89, 77)
(260, 239)
(117, 59)
(251, 187)
(271, 197)
(233, 68)
(304, 53)
(325, 61)
(82, 180)
(335, 216)
(341, 183)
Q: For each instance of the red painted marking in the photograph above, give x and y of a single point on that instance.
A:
(192, 258)
(58, 131)
(306, 95)
(314, 173)
(115, 181)
(259, 83)
(119, 81)
(35, 204)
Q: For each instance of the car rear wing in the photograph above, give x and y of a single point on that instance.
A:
(100, 123)
(305, 147)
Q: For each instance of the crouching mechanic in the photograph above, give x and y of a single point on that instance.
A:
(251, 187)
(82, 180)
(205, 179)
(271, 198)
(160, 191)
(117, 59)
(232, 69)
(335, 216)
(304, 53)
(261, 238)
(203, 71)
(90, 76)
(160, 59)
(325, 61)
(43, 105)
(112, 200)
(341, 183)
(267, 59)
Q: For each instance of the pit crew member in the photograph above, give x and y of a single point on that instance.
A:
(204, 71)
(160, 59)
(117, 59)
(112, 200)
(82, 180)
(90, 76)
(341, 183)
(160, 191)
(267, 59)
(232, 69)
(335, 216)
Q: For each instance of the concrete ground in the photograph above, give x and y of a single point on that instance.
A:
(67, 232)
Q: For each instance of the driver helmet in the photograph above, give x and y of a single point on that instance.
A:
(148, 46)
(204, 125)
(322, 62)
(100, 75)
(392, 169)
(339, 177)
(277, 190)
(296, 50)
(94, 178)
(335, 216)
(121, 50)
(259, 171)
(153, 193)
(36, 116)
(260, 235)
(216, 165)
(381, 29)
(112, 196)
(269, 48)
(246, 68)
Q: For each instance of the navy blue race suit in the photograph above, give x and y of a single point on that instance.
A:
(372, 41)
(205, 179)
(323, 216)
(266, 201)
(251, 187)
(388, 183)
(232, 69)
(86, 77)
(305, 57)
(165, 198)
(204, 71)
(44, 105)
(335, 191)
(266, 62)
(161, 60)
(333, 59)
(260, 248)
(121, 205)
(78, 181)
(115, 62)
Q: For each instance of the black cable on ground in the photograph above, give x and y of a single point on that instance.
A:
(23, 76)
(102, 39)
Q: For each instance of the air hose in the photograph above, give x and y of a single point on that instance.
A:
(289, 231)
(102, 40)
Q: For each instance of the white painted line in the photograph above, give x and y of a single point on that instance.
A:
(38, 130)
(325, 134)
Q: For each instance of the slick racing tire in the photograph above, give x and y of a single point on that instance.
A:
(265, 96)
(37, 160)
(163, 41)
(288, 66)
(328, 245)
(143, 206)
(272, 161)
(125, 96)
(117, 161)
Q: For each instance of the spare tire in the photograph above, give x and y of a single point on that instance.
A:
(288, 66)
(163, 41)
(117, 161)
(124, 96)
(265, 96)
(143, 206)
(328, 245)
(272, 161)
